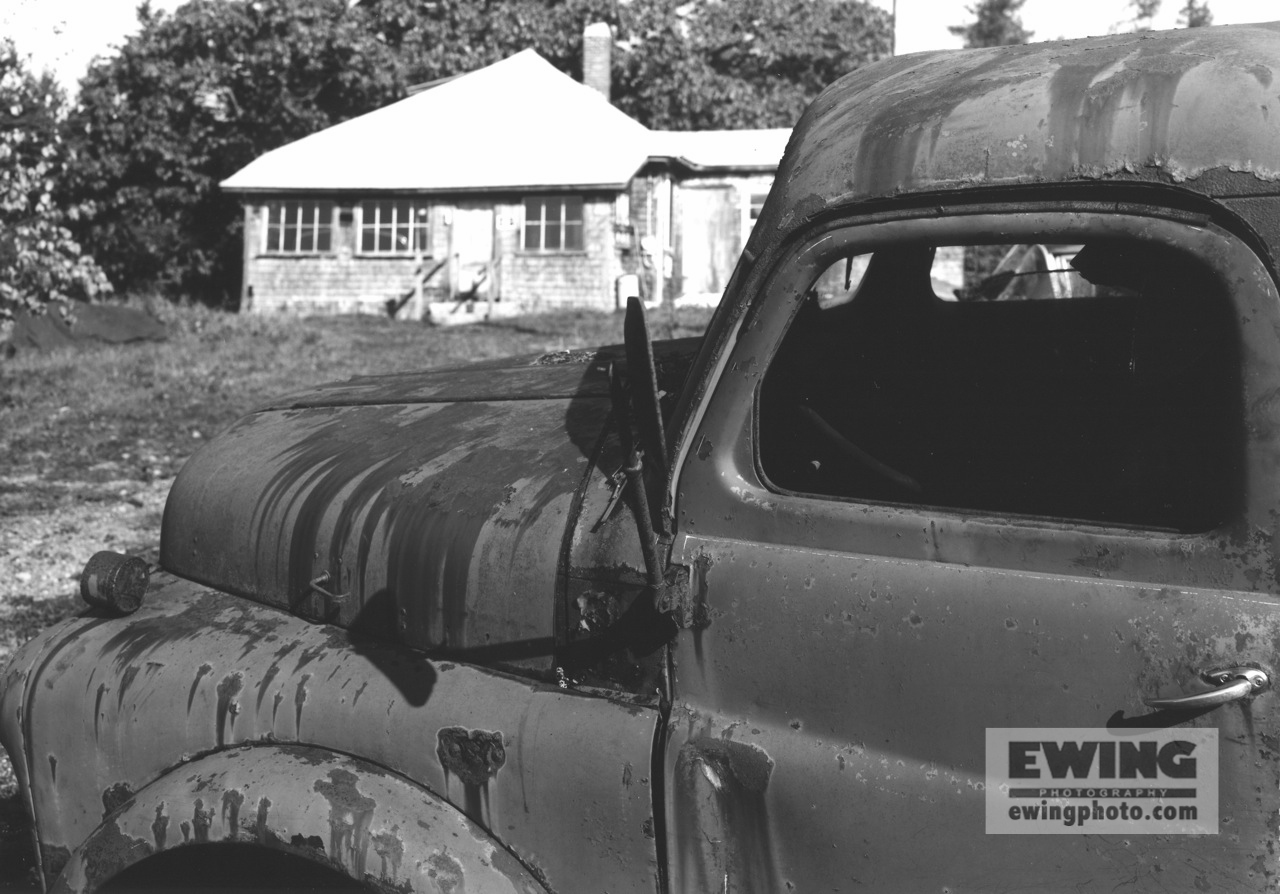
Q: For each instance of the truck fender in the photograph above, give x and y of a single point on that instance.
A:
(355, 817)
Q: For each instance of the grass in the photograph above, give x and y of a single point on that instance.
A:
(67, 417)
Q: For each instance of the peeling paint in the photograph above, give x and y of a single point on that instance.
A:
(116, 796)
(228, 689)
(474, 756)
(160, 826)
(350, 814)
(201, 820)
(232, 800)
(446, 873)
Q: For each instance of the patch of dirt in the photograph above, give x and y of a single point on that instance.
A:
(42, 551)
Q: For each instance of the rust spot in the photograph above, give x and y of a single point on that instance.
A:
(228, 689)
(260, 827)
(474, 756)
(446, 872)
(299, 699)
(350, 813)
(108, 852)
(390, 850)
(160, 826)
(201, 673)
(232, 799)
(201, 819)
(116, 796)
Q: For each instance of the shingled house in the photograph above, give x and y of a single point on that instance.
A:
(514, 184)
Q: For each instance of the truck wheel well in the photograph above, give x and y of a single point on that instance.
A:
(229, 867)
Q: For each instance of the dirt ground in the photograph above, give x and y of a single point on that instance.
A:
(41, 554)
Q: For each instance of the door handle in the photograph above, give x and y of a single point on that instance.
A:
(1232, 684)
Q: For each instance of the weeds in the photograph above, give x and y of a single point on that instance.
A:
(137, 411)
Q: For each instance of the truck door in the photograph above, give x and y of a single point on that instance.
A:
(943, 546)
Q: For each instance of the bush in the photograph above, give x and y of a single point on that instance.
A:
(39, 260)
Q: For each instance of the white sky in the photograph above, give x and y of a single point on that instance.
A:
(64, 35)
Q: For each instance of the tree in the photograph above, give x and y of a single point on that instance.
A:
(39, 260)
(435, 39)
(1143, 12)
(191, 99)
(1195, 14)
(996, 24)
(739, 63)
(202, 92)
(680, 65)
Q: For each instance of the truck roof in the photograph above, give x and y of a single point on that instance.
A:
(1174, 107)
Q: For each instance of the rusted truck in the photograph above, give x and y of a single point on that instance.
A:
(945, 561)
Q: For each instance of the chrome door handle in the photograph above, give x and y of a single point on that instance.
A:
(1233, 683)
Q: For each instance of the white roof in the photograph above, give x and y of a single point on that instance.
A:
(759, 149)
(518, 123)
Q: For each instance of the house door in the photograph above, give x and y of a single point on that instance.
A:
(471, 252)
(710, 240)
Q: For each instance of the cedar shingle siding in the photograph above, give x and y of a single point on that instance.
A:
(345, 281)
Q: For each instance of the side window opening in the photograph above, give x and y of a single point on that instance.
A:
(1097, 381)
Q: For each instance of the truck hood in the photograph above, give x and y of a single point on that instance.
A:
(428, 508)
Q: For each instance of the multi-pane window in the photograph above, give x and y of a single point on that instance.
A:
(299, 227)
(390, 227)
(752, 204)
(553, 223)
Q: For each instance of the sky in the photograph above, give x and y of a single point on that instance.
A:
(65, 35)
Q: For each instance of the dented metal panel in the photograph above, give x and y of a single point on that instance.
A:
(1169, 106)
(839, 710)
(829, 714)
(339, 812)
(558, 777)
(436, 525)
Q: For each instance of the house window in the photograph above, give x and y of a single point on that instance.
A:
(751, 206)
(390, 227)
(299, 227)
(553, 223)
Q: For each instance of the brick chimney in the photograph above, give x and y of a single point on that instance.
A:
(597, 48)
